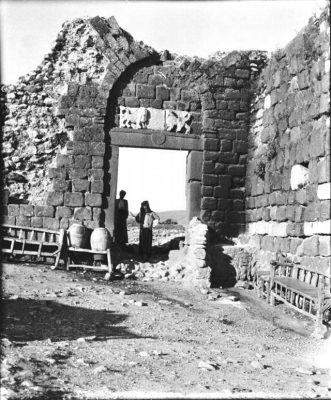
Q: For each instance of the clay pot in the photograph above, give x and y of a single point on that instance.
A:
(78, 236)
(100, 239)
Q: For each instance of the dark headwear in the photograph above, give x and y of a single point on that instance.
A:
(122, 193)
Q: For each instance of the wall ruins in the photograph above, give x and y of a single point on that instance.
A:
(257, 131)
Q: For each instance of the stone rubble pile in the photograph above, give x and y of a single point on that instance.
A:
(188, 264)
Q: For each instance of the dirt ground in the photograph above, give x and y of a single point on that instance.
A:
(72, 335)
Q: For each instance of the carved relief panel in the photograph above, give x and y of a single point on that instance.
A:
(151, 118)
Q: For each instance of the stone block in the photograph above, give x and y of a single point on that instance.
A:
(83, 213)
(236, 217)
(57, 173)
(324, 103)
(93, 199)
(194, 165)
(61, 185)
(310, 246)
(129, 90)
(64, 160)
(295, 243)
(237, 170)
(221, 192)
(207, 191)
(95, 174)
(27, 210)
(211, 144)
(193, 199)
(73, 199)
(132, 102)
(324, 191)
(208, 167)
(97, 162)
(82, 162)
(51, 223)
(80, 185)
(64, 223)
(157, 119)
(323, 168)
(37, 222)
(80, 148)
(237, 193)
(97, 186)
(209, 203)
(145, 91)
(325, 210)
(301, 196)
(224, 180)
(96, 149)
(153, 104)
(22, 220)
(78, 173)
(238, 205)
(209, 180)
(224, 204)
(98, 214)
(63, 212)
(94, 133)
(226, 145)
(228, 158)
(162, 93)
(281, 214)
(217, 216)
(324, 246)
(240, 147)
(44, 211)
(322, 227)
(54, 199)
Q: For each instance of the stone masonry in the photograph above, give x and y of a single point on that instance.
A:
(261, 172)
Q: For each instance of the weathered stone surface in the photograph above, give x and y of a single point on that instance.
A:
(95, 174)
(96, 149)
(54, 199)
(93, 199)
(63, 212)
(37, 222)
(83, 213)
(60, 185)
(97, 186)
(51, 223)
(80, 185)
(73, 199)
(44, 211)
(82, 162)
(27, 210)
(97, 162)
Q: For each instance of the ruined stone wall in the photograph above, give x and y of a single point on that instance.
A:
(288, 169)
(57, 150)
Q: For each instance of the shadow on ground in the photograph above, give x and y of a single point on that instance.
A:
(28, 320)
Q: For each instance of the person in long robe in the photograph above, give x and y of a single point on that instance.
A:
(121, 215)
(145, 218)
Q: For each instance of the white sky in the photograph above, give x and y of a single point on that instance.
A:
(200, 28)
(152, 177)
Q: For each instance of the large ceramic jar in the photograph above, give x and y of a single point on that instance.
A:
(100, 239)
(78, 235)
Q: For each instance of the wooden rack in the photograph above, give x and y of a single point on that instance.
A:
(34, 242)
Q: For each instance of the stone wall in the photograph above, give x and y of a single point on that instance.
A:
(57, 149)
(263, 168)
(288, 169)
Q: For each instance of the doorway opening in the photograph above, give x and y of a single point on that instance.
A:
(158, 176)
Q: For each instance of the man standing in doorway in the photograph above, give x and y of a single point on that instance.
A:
(121, 215)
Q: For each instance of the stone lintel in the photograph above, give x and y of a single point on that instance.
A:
(152, 139)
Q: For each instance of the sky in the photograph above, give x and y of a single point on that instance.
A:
(28, 29)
